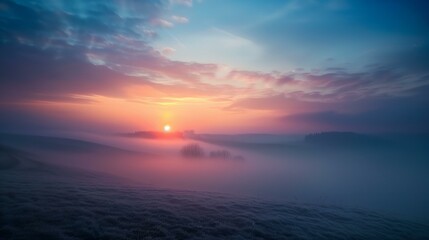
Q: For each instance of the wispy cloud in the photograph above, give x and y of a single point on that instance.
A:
(179, 19)
(187, 3)
(162, 23)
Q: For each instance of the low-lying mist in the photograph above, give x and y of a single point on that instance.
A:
(388, 176)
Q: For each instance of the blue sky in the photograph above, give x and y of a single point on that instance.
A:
(285, 35)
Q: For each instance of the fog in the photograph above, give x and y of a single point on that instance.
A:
(389, 178)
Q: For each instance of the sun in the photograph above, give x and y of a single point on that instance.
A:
(167, 128)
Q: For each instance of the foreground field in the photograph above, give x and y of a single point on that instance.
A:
(42, 201)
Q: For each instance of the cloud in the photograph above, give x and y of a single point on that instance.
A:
(168, 51)
(408, 113)
(336, 84)
(105, 49)
(64, 21)
(75, 53)
(251, 76)
(119, 39)
(388, 119)
(179, 19)
(187, 3)
(379, 100)
(44, 75)
(47, 77)
(215, 45)
(162, 23)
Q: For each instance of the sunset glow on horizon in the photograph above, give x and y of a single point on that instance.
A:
(114, 66)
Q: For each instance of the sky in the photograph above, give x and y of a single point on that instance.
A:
(223, 66)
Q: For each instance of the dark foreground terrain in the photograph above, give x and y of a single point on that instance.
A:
(42, 201)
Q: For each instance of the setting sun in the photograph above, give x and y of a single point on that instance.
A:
(167, 128)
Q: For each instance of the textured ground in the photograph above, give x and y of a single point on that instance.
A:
(40, 201)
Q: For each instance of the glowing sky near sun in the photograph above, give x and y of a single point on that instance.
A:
(215, 65)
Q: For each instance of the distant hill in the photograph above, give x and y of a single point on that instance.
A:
(58, 144)
(344, 139)
(261, 138)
